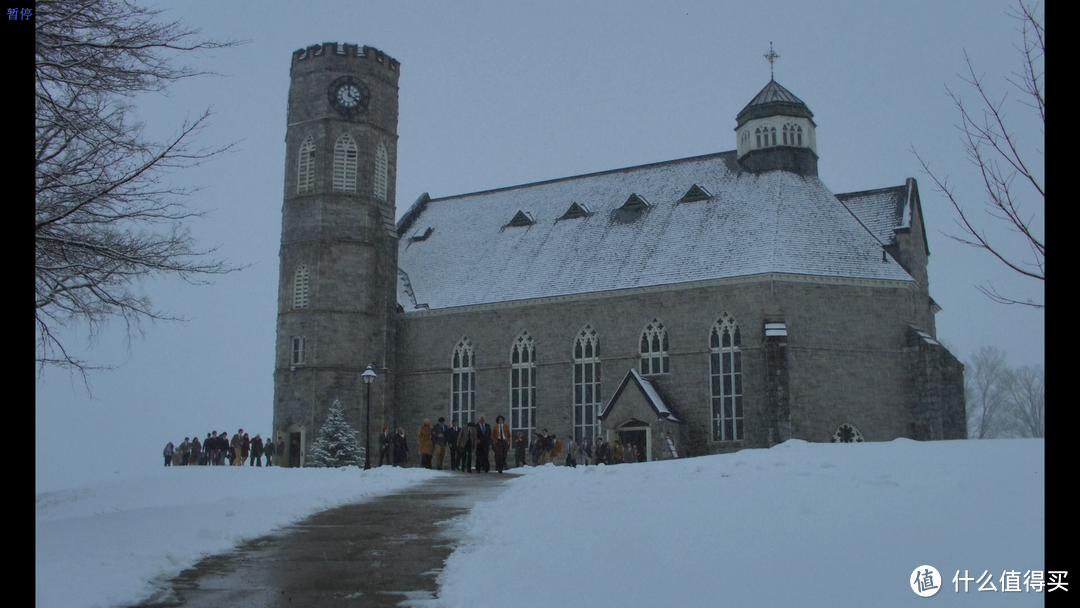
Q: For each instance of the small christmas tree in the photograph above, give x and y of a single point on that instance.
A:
(336, 445)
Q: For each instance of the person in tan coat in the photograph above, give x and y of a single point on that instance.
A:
(423, 444)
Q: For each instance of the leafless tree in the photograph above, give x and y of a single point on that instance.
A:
(1027, 401)
(986, 393)
(106, 216)
(1012, 181)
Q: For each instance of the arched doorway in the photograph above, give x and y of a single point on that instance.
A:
(637, 434)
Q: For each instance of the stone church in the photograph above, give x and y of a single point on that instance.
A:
(693, 306)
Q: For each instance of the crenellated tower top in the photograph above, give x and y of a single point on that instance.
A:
(352, 51)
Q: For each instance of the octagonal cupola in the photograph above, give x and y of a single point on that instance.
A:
(775, 132)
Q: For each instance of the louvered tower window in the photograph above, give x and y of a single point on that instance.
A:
(300, 287)
(382, 168)
(463, 383)
(586, 384)
(305, 167)
(345, 164)
(523, 386)
(725, 371)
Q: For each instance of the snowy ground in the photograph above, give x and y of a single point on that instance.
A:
(796, 525)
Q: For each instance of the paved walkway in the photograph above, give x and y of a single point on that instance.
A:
(377, 553)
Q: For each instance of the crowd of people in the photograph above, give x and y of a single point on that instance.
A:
(472, 446)
(219, 450)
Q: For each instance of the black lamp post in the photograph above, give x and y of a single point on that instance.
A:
(369, 377)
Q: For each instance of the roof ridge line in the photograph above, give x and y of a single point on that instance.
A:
(583, 175)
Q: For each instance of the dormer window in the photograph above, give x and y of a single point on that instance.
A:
(695, 194)
(635, 203)
(522, 219)
(575, 211)
(418, 237)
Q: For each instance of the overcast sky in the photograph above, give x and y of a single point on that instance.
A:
(501, 93)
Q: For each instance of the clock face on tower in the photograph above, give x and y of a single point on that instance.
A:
(348, 96)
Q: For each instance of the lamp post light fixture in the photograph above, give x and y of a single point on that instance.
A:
(369, 377)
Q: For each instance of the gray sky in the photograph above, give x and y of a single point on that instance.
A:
(501, 93)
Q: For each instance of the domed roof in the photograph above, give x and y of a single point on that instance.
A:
(773, 100)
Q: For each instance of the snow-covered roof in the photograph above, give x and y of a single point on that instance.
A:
(773, 99)
(773, 93)
(647, 390)
(881, 211)
(775, 222)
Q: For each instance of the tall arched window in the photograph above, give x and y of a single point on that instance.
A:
(725, 369)
(463, 383)
(305, 167)
(772, 131)
(382, 167)
(523, 386)
(300, 287)
(586, 384)
(654, 349)
(345, 164)
(757, 132)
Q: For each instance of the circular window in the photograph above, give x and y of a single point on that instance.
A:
(847, 434)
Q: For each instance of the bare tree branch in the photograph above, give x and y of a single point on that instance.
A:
(1027, 401)
(105, 217)
(992, 147)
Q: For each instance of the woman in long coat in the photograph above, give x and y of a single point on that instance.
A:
(423, 444)
(401, 447)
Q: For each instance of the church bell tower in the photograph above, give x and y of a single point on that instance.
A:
(338, 275)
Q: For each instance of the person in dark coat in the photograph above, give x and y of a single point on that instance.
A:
(196, 451)
(268, 449)
(519, 450)
(386, 444)
(168, 453)
(603, 452)
(256, 451)
(245, 449)
(223, 449)
(210, 446)
(452, 434)
(401, 448)
(483, 445)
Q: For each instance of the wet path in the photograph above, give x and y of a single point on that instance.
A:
(377, 553)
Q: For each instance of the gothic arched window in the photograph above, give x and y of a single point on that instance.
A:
(382, 167)
(523, 386)
(305, 167)
(345, 164)
(725, 371)
(792, 135)
(463, 383)
(772, 131)
(654, 349)
(757, 132)
(300, 287)
(586, 384)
